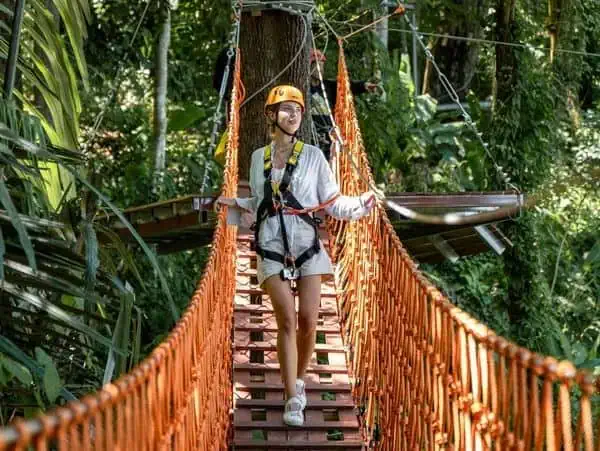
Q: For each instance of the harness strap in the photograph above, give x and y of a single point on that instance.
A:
(276, 198)
(294, 204)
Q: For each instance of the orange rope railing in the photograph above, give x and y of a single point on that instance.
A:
(426, 374)
(180, 397)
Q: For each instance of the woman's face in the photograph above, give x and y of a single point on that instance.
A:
(289, 116)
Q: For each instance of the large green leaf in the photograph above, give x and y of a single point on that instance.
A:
(51, 379)
(46, 64)
(425, 108)
(75, 15)
(17, 370)
(6, 200)
(185, 116)
(9, 349)
(116, 364)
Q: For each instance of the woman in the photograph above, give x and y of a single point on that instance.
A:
(287, 178)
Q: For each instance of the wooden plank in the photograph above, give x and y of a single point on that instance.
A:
(271, 346)
(274, 403)
(266, 308)
(334, 388)
(275, 367)
(276, 423)
(298, 444)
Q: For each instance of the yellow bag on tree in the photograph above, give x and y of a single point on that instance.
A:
(221, 150)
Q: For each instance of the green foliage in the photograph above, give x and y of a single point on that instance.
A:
(411, 146)
(477, 285)
(53, 63)
(384, 121)
(51, 379)
(529, 128)
(54, 285)
(183, 271)
(38, 377)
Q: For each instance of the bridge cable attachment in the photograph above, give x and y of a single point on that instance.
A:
(233, 44)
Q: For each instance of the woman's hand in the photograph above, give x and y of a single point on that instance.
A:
(222, 200)
(368, 200)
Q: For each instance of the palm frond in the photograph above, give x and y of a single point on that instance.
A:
(58, 313)
(149, 253)
(7, 202)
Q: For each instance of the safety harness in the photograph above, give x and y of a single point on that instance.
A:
(276, 199)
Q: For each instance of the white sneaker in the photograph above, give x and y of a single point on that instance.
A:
(301, 392)
(292, 415)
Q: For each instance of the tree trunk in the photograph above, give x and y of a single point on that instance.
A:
(382, 29)
(506, 59)
(161, 73)
(268, 43)
(427, 72)
(457, 58)
(523, 291)
(553, 25)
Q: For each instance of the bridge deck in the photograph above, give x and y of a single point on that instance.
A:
(330, 419)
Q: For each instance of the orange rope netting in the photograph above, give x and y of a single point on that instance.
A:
(180, 397)
(426, 374)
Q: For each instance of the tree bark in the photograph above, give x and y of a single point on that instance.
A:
(553, 24)
(456, 58)
(160, 94)
(524, 290)
(506, 60)
(381, 29)
(268, 43)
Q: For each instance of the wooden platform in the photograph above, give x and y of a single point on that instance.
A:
(330, 419)
(188, 222)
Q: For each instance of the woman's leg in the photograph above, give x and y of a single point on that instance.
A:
(285, 313)
(309, 292)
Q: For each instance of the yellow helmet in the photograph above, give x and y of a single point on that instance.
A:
(284, 93)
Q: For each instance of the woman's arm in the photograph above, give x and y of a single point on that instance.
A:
(249, 204)
(344, 207)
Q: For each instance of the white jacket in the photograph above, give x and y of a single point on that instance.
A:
(312, 184)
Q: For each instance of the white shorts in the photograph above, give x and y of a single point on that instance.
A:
(319, 263)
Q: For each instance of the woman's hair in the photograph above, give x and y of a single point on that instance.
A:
(272, 123)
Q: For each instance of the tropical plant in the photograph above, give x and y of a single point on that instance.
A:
(59, 303)
(52, 64)
(66, 317)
